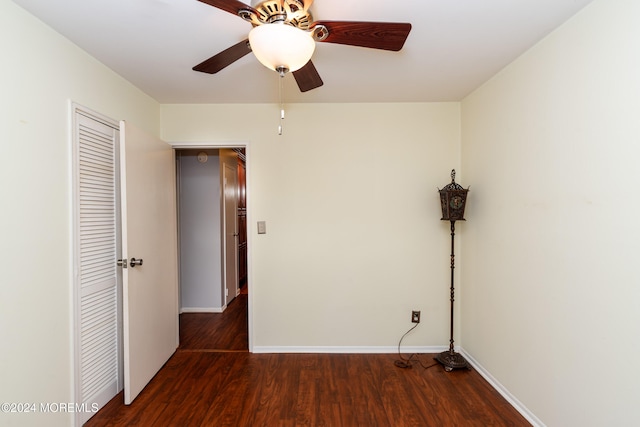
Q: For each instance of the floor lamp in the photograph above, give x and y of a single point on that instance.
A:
(453, 199)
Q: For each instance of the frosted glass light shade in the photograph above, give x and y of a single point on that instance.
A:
(281, 45)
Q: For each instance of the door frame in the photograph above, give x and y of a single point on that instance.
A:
(181, 145)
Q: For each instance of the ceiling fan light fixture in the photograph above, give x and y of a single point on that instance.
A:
(279, 45)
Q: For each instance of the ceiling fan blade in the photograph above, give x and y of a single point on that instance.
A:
(375, 35)
(231, 6)
(224, 58)
(307, 77)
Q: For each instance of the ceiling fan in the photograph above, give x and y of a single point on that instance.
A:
(284, 35)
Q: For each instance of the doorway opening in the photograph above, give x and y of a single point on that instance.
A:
(213, 248)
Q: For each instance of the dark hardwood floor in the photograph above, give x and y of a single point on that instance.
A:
(217, 331)
(203, 384)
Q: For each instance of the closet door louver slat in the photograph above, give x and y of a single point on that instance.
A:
(97, 251)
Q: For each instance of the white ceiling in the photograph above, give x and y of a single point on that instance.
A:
(454, 46)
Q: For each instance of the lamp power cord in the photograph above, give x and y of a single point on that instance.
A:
(407, 363)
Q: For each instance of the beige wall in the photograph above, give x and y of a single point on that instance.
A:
(550, 282)
(354, 239)
(349, 194)
(40, 73)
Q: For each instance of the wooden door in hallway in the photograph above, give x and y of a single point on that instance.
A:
(231, 231)
(242, 218)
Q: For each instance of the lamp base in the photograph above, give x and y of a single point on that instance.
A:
(452, 360)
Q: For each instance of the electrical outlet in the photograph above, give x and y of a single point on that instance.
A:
(415, 316)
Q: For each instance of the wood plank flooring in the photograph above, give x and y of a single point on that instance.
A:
(217, 331)
(232, 387)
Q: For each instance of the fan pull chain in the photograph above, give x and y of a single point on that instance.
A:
(281, 71)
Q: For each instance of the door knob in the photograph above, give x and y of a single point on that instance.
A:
(122, 263)
(135, 262)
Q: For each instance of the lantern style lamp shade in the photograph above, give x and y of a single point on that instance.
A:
(453, 199)
(280, 46)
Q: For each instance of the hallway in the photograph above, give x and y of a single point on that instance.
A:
(227, 331)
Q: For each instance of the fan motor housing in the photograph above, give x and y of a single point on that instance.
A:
(292, 12)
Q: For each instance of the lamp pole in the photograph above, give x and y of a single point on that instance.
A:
(453, 266)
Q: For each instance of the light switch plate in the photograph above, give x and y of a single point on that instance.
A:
(262, 227)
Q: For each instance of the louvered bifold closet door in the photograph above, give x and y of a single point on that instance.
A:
(97, 270)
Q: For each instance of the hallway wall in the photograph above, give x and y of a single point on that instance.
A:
(200, 240)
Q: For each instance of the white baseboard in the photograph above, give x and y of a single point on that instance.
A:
(202, 309)
(524, 411)
(347, 349)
